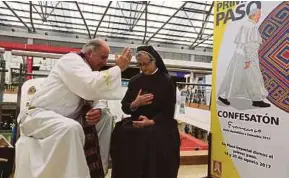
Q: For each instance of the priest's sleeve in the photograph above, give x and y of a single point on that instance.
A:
(88, 84)
(168, 109)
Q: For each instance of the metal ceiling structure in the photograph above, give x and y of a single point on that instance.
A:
(188, 24)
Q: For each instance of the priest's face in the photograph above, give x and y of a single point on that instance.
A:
(256, 16)
(145, 63)
(98, 59)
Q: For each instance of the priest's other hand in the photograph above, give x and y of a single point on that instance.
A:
(124, 60)
(144, 99)
(143, 121)
(93, 116)
(247, 65)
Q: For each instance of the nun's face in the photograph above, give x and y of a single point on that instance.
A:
(145, 63)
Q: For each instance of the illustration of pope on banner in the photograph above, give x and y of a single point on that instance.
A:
(243, 78)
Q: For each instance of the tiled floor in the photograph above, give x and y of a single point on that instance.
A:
(196, 171)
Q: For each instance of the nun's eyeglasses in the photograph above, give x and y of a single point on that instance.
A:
(143, 65)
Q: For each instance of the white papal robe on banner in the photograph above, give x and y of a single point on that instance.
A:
(238, 81)
(51, 142)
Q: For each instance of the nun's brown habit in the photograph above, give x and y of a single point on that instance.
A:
(151, 152)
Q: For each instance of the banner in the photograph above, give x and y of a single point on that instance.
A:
(250, 97)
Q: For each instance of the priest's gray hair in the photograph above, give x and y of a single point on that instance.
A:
(253, 11)
(92, 45)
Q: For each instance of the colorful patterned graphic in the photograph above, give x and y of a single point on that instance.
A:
(274, 55)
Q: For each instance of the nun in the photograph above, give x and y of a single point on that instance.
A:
(147, 144)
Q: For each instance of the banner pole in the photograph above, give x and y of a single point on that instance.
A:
(209, 156)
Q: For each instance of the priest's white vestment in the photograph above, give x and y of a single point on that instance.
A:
(51, 142)
(104, 129)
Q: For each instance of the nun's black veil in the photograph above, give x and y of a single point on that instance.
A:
(159, 61)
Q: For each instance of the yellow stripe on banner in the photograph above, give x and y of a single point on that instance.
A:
(222, 165)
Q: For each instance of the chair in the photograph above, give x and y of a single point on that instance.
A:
(28, 89)
(7, 154)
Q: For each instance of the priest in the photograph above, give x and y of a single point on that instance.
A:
(51, 142)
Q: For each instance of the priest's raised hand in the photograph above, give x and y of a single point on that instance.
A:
(124, 60)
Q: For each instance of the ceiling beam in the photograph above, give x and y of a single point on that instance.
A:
(99, 23)
(146, 21)
(200, 35)
(70, 38)
(47, 15)
(41, 7)
(125, 17)
(29, 30)
(83, 19)
(111, 15)
(198, 2)
(41, 15)
(122, 29)
(194, 10)
(31, 18)
(190, 22)
(140, 2)
(201, 42)
(166, 22)
(109, 34)
(145, 10)
(206, 19)
(124, 9)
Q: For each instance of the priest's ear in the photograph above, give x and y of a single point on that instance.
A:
(88, 53)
